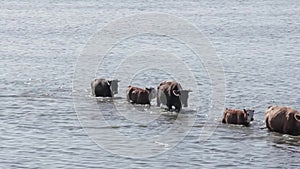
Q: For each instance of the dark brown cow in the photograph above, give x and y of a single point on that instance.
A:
(104, 88)
(168, 93)
(283, 120)
(235, 116)
(139, 95)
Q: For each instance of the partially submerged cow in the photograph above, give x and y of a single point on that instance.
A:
(235, 116)
(104, 88)
(283, 120)
(139, 95)
(170, 94)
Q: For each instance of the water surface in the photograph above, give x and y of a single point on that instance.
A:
(258, 45)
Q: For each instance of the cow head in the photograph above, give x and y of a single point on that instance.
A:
(175, 88)
(184, 95)
(113, 85)
(250, 114)
(152, 92)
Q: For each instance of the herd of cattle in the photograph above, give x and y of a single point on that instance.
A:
(170, 93)
(167, 93)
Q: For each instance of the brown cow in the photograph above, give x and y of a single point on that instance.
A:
(235, 116)
(283, 120)
(139, 95)
(161, 97)
(104, 88)
(168, 93)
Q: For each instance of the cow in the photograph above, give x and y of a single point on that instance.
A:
(235, 116)
(140, 96)
(168, 93)
(104, 88)
(282, 119)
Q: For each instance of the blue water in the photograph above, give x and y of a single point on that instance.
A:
(257, 43)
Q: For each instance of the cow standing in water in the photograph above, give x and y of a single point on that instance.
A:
(104, 88)
(161, 99)
(169, 93)
(139, 95)
(283, 120)
(234, 116)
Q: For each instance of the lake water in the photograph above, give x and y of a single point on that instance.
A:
(257, 43)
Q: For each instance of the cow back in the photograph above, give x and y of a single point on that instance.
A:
(283, 120)
(138, 95)
(101, 88)
(234, 116)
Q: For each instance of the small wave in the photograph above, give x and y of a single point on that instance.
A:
(162, 144)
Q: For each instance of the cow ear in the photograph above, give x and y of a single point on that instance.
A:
(108, 82)
(297, 116)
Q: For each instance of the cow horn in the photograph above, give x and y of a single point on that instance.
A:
(108, 82)
(175, 93)
(297, 117)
